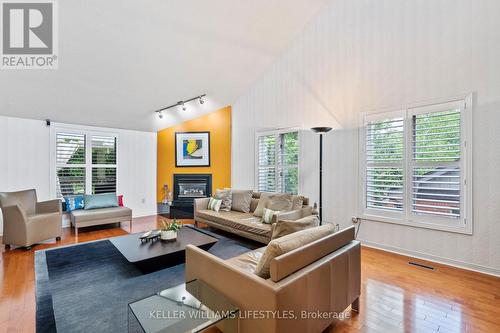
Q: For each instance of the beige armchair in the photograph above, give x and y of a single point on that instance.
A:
(26, 221)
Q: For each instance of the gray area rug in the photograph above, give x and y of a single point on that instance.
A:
(87, 287)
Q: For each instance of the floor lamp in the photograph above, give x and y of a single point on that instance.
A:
(321, 131)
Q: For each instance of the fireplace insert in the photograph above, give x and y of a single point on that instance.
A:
(188, 187)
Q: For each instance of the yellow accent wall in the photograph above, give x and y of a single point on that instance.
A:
(218, 123)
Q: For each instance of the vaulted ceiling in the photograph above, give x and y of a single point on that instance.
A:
(121, 60)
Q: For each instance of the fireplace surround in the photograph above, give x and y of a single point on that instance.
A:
(188, 187)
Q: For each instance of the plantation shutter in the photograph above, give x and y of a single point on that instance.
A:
(70, 164)
(384, 153)
(266, 156)
(278, 162)
(103, 164)
(436, 162)
(288, 161)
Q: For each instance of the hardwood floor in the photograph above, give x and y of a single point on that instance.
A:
(396, 297)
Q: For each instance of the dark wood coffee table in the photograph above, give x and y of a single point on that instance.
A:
(155, 255)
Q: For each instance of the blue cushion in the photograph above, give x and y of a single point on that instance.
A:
(104, 200)
(74, 203)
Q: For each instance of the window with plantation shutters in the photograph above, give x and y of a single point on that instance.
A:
(277, 162)
(70, 164)
(415, 166)
(266, 156)
(436, 162)
(85, 163)
(103, 164)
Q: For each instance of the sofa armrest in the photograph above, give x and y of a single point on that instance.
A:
(201, 203)
(51, 206)
(245, 290)
(14, 214)
(14, 225)
(291, 215)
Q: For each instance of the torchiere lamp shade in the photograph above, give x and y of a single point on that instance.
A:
(321, 129)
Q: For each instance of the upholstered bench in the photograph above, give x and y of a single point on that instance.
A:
(86, 218)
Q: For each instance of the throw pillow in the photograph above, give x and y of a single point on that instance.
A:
(214, 204)
(105, 200)
(297, 202)
(268, 215)
(225, 196)
(281, 202)
(285, 227)
(241, 200)
(263, 200)
(290, 242)
(120, 200)
(74, 203)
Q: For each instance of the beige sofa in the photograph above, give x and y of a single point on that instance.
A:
(27, 221)
(86, 218)
(323, 276)
(245, 224)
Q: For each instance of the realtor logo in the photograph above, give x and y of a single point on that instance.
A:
(29, 34)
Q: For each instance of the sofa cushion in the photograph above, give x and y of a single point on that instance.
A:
(263, 200)
(100, 214)
(285, 227)
(247, 261)
(280, 202)
(268, 215)
(214, 204)
(238, 221)
(74, 203)
(253, 204)
(288, 243)
(225, 196)
(241, 200)
(104, 200)
(297, 202)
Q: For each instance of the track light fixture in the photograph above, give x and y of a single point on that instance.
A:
(182, 104)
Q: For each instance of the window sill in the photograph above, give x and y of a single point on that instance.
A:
(462, 229)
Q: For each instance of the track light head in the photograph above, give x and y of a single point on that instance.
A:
(184, 107)
(201, 100)
(160, 114)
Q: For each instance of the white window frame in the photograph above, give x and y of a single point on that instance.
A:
(464, 225)
(277, 132)
(88, 131)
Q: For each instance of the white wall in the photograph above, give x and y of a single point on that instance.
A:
(25, 163)
(363, 55)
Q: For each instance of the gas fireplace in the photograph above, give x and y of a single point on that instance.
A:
(188, 187)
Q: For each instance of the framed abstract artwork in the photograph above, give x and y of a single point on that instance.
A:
(192, 149)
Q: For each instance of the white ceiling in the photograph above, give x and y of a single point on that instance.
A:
(121, 60)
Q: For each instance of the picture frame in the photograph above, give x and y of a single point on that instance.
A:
(192, 149)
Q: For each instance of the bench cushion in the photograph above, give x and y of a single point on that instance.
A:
(100, 214)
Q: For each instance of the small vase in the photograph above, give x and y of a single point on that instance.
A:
(168, 235)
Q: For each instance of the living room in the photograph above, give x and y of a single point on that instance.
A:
(222, 166)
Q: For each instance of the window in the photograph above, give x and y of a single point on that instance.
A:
(415, 167)
(277, 162)
(85, 163)
(103, 164)
(70, 161)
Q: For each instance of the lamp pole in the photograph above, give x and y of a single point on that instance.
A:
(321, 131)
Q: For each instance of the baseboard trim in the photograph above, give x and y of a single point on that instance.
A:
(440, 260)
